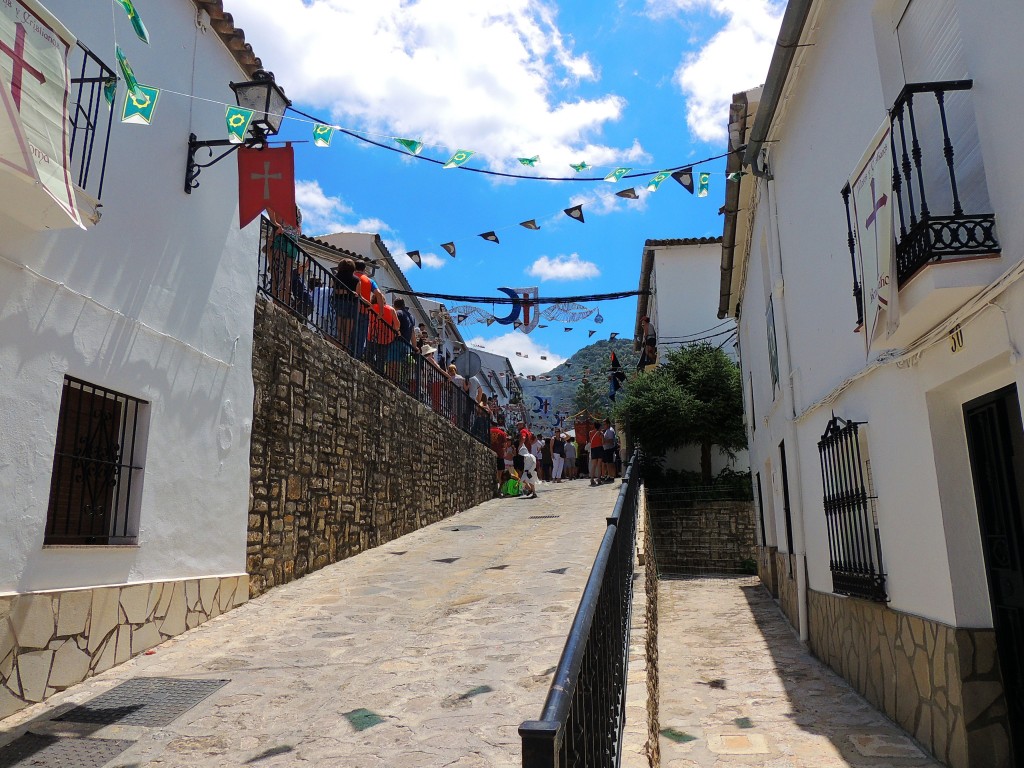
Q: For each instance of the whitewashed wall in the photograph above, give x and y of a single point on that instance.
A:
(156, 302)
(927, 516)
(685, 284)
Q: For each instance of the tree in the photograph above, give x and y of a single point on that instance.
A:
(589, 398)
(694, 399)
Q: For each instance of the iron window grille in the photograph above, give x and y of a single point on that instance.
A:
(89, 118)
(855, 549)
(97, 472)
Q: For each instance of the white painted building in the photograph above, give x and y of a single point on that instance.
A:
(681, 275)
(123, 519)
(882, 393)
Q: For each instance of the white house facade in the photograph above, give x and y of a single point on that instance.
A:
(125, 359)
(872, 257)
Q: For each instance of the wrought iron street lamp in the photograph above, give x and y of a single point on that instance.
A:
(267, 101)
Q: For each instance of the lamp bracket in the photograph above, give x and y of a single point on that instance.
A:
(193, 168)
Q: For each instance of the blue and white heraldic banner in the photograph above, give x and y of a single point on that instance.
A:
(871, 183)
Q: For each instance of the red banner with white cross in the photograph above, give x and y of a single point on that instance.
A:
(266, 179)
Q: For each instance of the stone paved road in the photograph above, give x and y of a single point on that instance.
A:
(391, 658)
(738, 688)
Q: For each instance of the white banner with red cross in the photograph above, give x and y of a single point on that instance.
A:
(34, 50)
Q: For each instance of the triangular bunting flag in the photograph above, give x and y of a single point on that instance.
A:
(685, 177)
(450, 248)
(629, 194)
(530, 162)
(490, 237)
(110, 91)
(322, 135)
(735, 175)
(617, 174)
(415, 147)
(579, 167)
(576, 212)
(126, 70)
(459, 319)
(702, 184)
(567, 329)
(590, 333)
(489, 320)
(415, 256)
(133, 16)
(519, 354)
(237, 120)
(612, 335)
(543, 357)
(531, 224)
(655, 182)
(459, 158)
(139, 105)
(542, 326)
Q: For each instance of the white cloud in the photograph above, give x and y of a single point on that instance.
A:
(570, 267)
(321, 213)
(477, 75)
(735, 59)
(515, 341)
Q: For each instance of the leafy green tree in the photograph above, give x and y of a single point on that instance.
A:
(694, 399)
(589, 398)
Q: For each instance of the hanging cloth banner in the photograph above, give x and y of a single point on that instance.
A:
(655, 182)
(617, 174)
(266, 179)
(490, 237)
(576, 212)
(415, 147)
(531, 224)
(322, 135)
(629, 194)
(34, 50)
(685, 177)
(139, 105)
(450, 248)
(133, 15)
(415, 257)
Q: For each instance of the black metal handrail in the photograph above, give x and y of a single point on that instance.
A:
(583, 716)
(928, 231)
(293, 278)
(88, 136)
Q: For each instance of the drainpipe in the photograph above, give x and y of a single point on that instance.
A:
(792, 437)
(785, 49)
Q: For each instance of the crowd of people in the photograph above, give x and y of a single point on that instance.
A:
(524, 459)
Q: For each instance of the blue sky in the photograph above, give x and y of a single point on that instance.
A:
(638, 83)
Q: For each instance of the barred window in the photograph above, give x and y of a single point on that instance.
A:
(855, 550)
(97, 474)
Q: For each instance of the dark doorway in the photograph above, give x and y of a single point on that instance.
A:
(785, 498)
(995, 440)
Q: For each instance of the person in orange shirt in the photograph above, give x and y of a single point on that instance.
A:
(382, 332)
(368, 292)
(596, 453)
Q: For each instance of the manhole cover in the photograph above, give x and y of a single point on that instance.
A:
(461, 528)
(147, 701)
(41, 751)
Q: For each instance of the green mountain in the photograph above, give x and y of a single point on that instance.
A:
(595, 358)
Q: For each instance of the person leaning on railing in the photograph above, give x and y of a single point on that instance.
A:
(282, 252)
(344, 301)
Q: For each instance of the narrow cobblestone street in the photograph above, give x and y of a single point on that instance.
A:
(738, 688)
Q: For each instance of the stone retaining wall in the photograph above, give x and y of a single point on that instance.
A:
(341, 460)
(702, 537)
(766, 564)
(941, 684)
(785, 580)
(52, 640)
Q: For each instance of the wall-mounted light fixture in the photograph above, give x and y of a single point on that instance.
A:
(267, 101)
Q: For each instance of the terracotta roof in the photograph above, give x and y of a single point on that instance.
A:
(324, 244)
(684, 241)
(232, 37)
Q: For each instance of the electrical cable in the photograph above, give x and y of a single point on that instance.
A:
(525, 302)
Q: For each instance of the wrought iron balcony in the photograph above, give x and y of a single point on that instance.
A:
(933, 222)
(90, 119)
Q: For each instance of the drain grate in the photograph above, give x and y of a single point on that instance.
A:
(461, 528)
(151, 702)
(43, 751)
(543, 517)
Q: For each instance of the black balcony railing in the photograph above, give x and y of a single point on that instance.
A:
(855, 549)
(90, 119)
(932, 221)
(287, 274)
(584, 713)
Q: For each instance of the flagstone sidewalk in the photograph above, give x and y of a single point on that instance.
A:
(427, 651)
(738, 688)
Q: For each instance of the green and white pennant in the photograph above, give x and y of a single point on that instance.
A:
(322, 135)
(136, 20)
(110, 91)
(237, 120)
(617, 174)
(415, 147)
(459, 158)
(655, 182)
(139, 105)
(126, 70)
(702, 184)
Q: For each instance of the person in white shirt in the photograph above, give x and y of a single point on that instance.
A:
(608, 445)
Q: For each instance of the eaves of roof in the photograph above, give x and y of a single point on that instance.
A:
(682, 241)
(223, 24)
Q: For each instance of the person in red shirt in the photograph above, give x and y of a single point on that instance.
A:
(382, 332)
(596, 453)
(368, 292)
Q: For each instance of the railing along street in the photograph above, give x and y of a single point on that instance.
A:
(584, 713)
(87, 112)
(286, 273)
